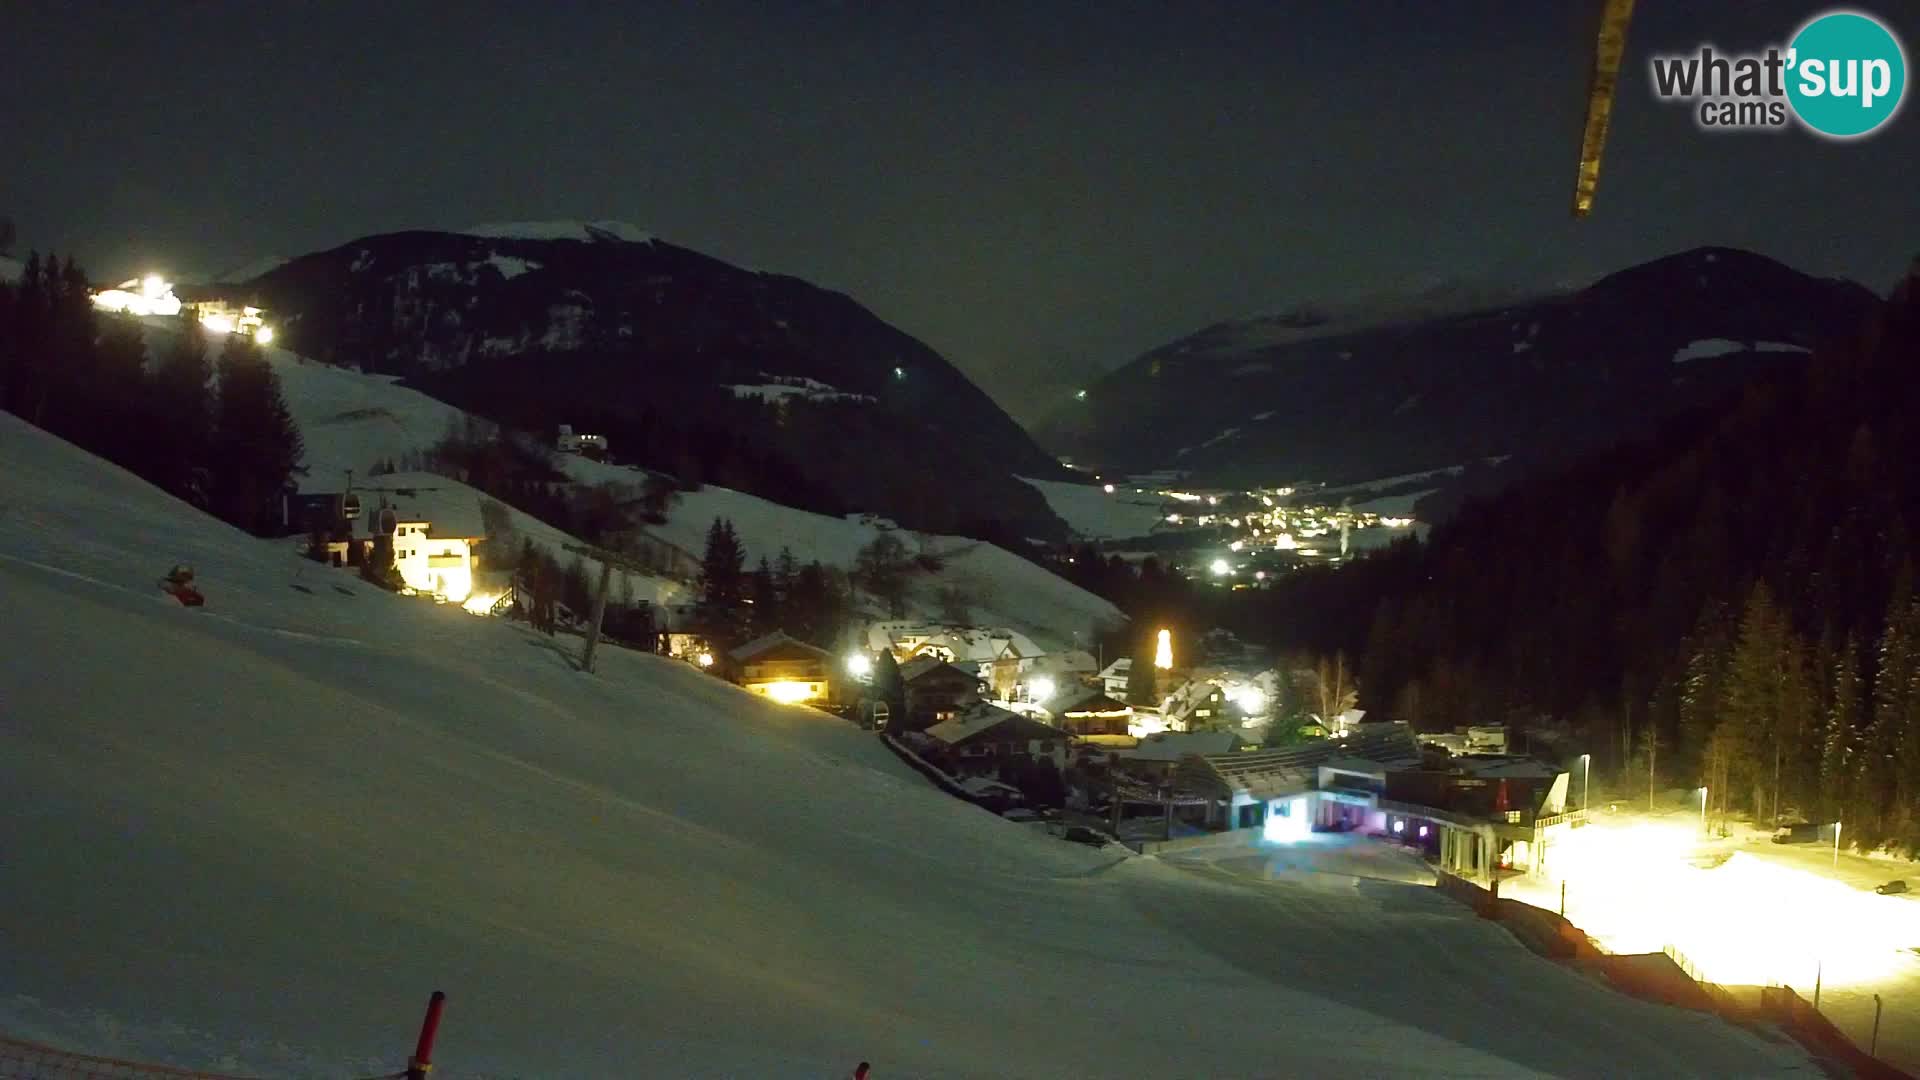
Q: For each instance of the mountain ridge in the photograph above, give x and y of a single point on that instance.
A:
(669, 351)
(1542, 377)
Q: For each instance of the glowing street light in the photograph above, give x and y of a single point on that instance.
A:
(1836, 845)
(1040, 689)
(705, 659)
(1703, 809)
(264, 335)
(1221, 568)
(860, 665)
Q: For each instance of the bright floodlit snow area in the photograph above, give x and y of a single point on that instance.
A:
(253, 836)
(1743, 911)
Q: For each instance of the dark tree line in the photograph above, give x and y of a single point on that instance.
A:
(1730, 604)
(216, 435)
(516, 469)
(736, 605)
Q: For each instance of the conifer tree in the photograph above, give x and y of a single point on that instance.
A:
(763, 597)
(255, 445)
(722, 586)
(1837, 742)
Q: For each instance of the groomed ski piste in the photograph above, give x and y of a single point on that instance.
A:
(250, 836)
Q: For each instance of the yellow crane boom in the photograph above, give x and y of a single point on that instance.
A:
(1607, 52)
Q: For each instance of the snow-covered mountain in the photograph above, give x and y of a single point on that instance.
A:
(676, 357)
(1393, 385)
(251, 837)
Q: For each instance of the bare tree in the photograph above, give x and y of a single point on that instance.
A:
(1334, 689)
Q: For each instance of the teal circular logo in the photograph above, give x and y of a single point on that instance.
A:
(1847, 74)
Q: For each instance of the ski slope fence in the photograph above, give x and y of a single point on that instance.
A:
(21, 1060)
(1813, 1030)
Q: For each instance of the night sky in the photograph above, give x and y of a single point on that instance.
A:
(1039, 190)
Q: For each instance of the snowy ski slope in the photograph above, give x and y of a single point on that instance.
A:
(252, 836)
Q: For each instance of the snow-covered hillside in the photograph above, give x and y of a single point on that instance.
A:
(252, 836)
(1006, 590)
(351, 421)
(1091, 512)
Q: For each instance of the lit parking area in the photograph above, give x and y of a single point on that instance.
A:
(1744, 912)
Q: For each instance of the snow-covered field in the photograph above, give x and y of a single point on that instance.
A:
(253, 836)
(1092, 513)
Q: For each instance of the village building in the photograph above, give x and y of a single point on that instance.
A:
(979, 739)
(1475, 818)
(935, 691)
(1087, 712)
(1113, 677)
(435, 558)
(783, 669)
(1001, 656)
(432, 562)
(1197, 706)
(1153, 758)
(572, 442)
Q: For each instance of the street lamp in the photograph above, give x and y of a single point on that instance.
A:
(1586, 781)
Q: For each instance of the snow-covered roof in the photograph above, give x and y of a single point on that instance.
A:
(921, 665)
(981, 643)
(562, 230)
(982, 717)
(1496, 766)
(1068, 662)
(1174, 745)
(1118, 669)
(760, 646)
(1078, 699)
(976, 719)
(1189, 697)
